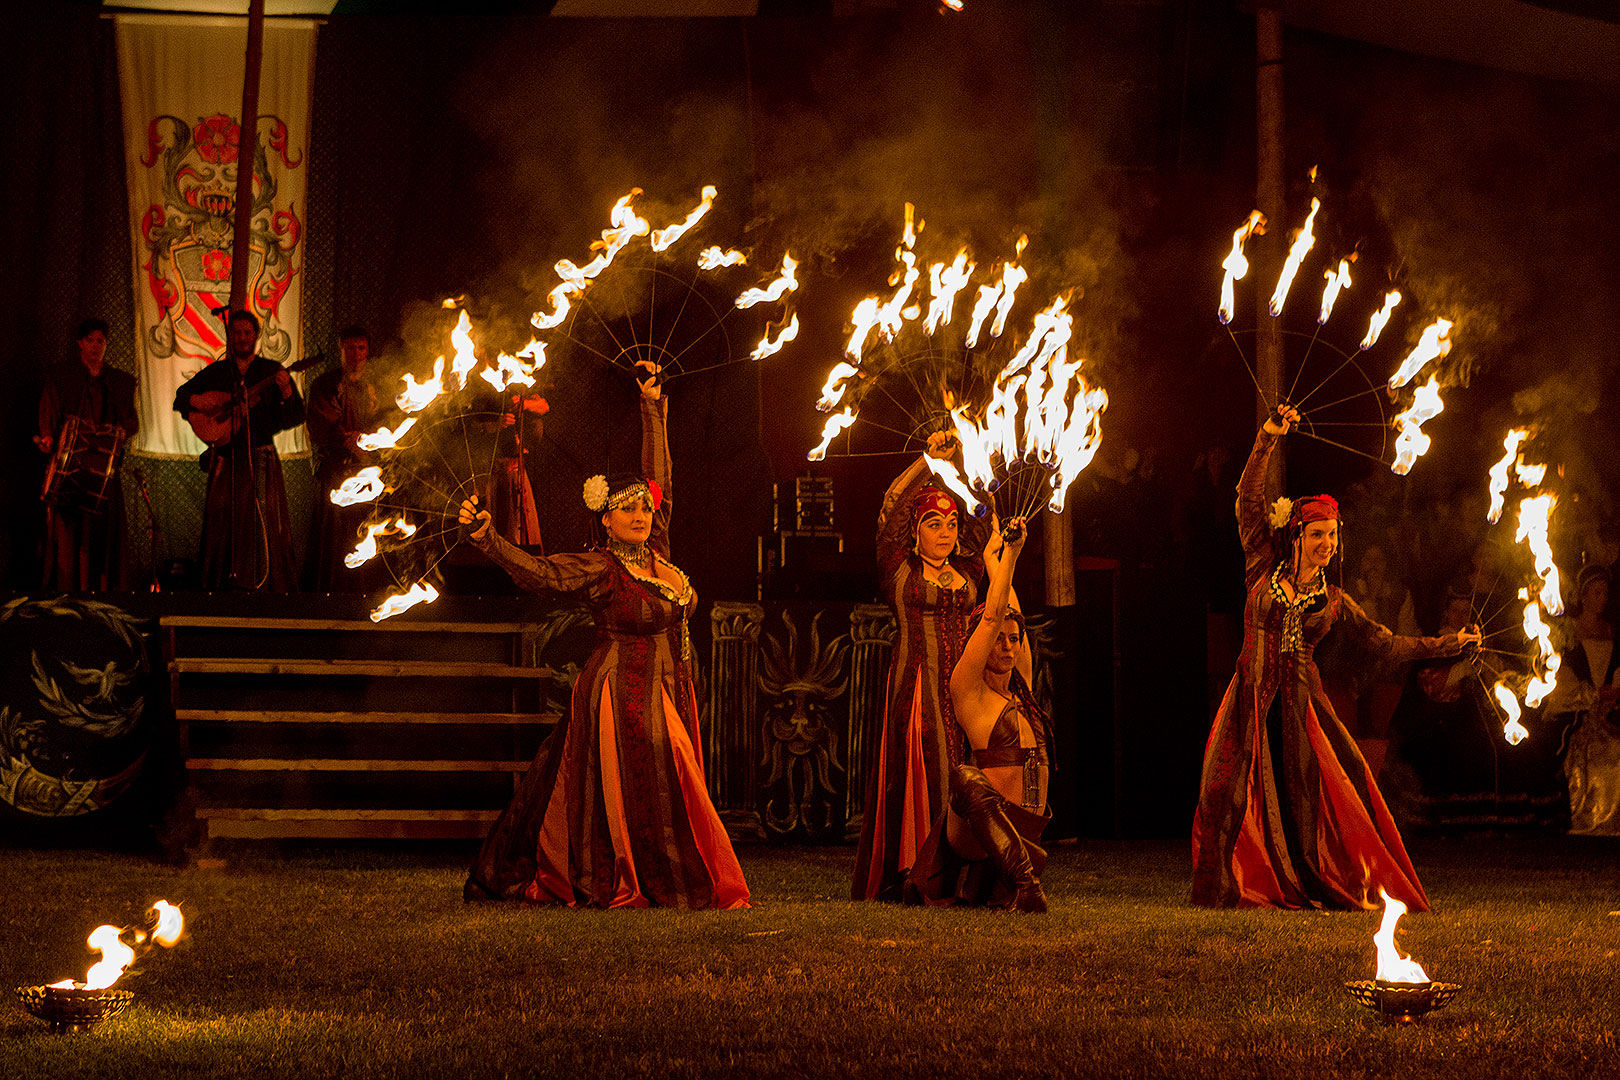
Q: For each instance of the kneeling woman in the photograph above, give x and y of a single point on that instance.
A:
(613, 811)
(1288, 813)
(984, 848)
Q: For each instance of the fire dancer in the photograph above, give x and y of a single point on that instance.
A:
(613, 812)
(929, 582)
(985, 849)
(343, 405)
(84, 536)
(1288, 812)
(237, 405)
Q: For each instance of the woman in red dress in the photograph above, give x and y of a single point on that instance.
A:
(613, 811)
(929, 583)
(1288, 813)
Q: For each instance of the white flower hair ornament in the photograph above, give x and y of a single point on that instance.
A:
(596, 493)
(1281, 511)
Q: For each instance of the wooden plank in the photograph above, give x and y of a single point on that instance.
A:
(312, 813)
(238, 622)
(229, 665)
(346, 830)
(238, 716)
(350, 765)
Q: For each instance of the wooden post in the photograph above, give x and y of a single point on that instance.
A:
(1057, 539)
(247, 149)
(1270, 198)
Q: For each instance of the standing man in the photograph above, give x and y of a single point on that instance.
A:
(237, 405)
(343, 405)
(94, 406)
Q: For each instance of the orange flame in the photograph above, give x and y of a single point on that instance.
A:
(509, 371)
(784, 284)
(382, 438)
(1431, 346)
(465, 361)
(1336, 280)
(420, 593)
(768, 347)
(1529, 475)
(832, 392)
(367, 548)
(712, 258)
(1012, 276)
(1392, 966)
(1534, 518)
(1537, 630)
(1237, 264)
(1499, 473)
(626, 227)
(1380, 318)
(418, 396)
(363, 486)
(663, 238)
(1411, 443)
(835, 423)
(170, 925)
(865, 317)
(1303, 242)
(115, 957)
(988, 294)
(946, 282)
(1513, 731)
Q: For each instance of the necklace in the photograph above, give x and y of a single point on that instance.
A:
(946, 577)
(630, 554)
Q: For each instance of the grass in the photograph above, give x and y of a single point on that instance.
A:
(313, 963)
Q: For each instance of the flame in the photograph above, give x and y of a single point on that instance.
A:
(775, 290)
(1529, 475)
(115, 957)
(1513, 731)
(954, 5)
(1411, 443)
(452, 302)
(560, 306)
(1534, 518)
(712, 258)
(1431, 346)
(626, 227)
(946, 282)
(768, 347)
(363, 486)
(509, 371)
(418, 396)
(1499, 473)
(1303, 242)
(988, 294)
(170, 924)
(1237, 264)
(367, 548)
(465, 361)
(1336, 280)
(1012, 276)
(1537, 630)
(420, 593)
(892, 316)
(382, 438)
(1392, 966)
(832, 392)
(865, 318)
(1380, 319)
(835, 423)
(662, 238)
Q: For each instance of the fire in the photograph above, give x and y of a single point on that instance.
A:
(988, 295)
(420, 593)
(1237, 264)
(954, 5)
(712, 258)
(783, 285)
(1336, 280)
(509, 371)
(865, 317)
(382, 438)
(946, 282)
(1296, 255)
(1392, 966)
(835, 424)
(663, 238)
(1537, 630)
(116, 956)
(560, 306)
(418, 396)
(1513, 731)
(1411, 443)
(1012, 276)
(453, 302)
(626, 227)
(1431, 346)
(1534, 517)
(170, 925)
(367, 548)
(1529, 475)
(1499, 473)
(465, 361)
(767, 346)
(363, 486)
(1380, 319)
(832, 392)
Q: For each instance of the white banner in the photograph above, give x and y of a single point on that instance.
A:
(181, 79)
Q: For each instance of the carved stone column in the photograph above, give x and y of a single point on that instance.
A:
(732, 749)
(871, 636)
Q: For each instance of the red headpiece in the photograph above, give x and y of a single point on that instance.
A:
(931, 500)
(1310, 508)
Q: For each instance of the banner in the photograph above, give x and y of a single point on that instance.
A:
(181, 79)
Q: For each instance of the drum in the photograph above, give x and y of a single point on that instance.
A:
(81, 473)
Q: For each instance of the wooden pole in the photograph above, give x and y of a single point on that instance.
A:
(1270, 198)
(247, 145)
(1057, 538)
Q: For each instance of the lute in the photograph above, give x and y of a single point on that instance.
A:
(213, 414)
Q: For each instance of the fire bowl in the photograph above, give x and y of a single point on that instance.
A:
(1402, 1003)
(71, 1009)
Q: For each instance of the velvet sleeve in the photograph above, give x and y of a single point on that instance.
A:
(1388, 645)
(1254, 525)
(894, 538)
(655, 466)
(576, 575)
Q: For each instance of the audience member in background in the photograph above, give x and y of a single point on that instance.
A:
(1587, 695)
(1377, 685)
(343, 405)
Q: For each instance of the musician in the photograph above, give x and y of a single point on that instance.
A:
(343, 405)
(246, 540)
(84, 544)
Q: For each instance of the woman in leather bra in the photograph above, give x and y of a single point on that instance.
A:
(613, 811)
(984, 849)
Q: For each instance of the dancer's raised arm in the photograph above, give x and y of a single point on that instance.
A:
(967, 681)
(655, 463)
(1253, 510)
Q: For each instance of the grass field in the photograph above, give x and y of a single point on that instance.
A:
(366, 963)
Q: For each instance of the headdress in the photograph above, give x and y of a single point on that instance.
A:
(601, 494)
(930, 500)
(1309, 508)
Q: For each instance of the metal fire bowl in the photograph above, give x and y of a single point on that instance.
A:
(1402, 1003)
(73, 1009)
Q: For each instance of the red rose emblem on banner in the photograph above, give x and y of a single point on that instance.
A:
(216, 265)
(217, 137)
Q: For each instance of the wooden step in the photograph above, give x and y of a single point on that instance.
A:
(381, 669)
(231, 622)
(350, 765)
(252, 823)
(239, 716)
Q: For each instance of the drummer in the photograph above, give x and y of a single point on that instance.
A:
(84, 538)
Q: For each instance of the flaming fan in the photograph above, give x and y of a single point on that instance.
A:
(931, 355)
(1346, 397)
(658, 306)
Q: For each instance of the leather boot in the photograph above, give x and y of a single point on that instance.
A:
(978, 803)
